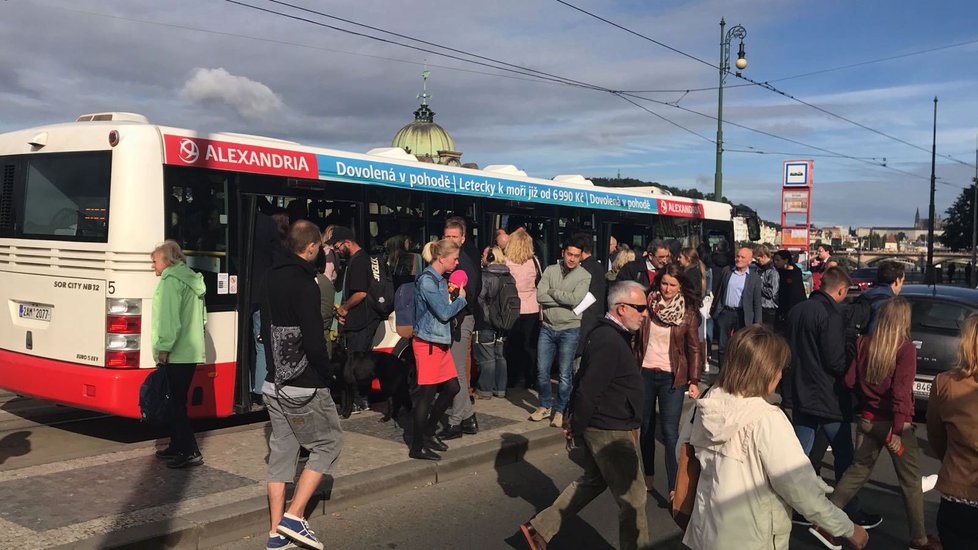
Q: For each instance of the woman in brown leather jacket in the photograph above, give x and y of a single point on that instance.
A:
(668, 350)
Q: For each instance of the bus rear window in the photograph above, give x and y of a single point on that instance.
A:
(58, 196)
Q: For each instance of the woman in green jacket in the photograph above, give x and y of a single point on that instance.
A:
(178, 344)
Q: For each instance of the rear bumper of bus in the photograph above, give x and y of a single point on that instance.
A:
(112, 391)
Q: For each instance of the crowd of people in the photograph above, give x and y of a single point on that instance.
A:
(628, 341)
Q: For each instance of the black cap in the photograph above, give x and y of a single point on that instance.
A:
(341, 234)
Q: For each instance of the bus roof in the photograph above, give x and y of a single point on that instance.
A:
(271, 156)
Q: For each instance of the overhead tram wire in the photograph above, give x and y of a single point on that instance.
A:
(769, 86)
(756, 83)
(874, 61)
(519, 68)
(296, 44)
(526, 72)
(636, 33)
(523, 71)
(676, 124)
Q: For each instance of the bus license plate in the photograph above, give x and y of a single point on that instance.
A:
(39, 313)
(921, 388)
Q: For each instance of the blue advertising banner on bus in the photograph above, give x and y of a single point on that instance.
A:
(480, 185)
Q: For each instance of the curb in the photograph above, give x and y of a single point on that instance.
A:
(235, 521)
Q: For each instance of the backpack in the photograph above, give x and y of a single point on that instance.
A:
(380, 293)
(858, 316)
(502, 301)
(404, 310)
(154, 397)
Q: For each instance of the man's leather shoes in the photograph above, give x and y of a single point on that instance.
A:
(470, 425)
(451, 432)
(435, 443)
(424, 454)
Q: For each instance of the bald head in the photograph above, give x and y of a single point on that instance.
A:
(743, 259)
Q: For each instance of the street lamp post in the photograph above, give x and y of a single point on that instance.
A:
(738, 32)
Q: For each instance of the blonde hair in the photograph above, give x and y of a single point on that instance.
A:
(439, 249)
(891, 331)
(498, 256)
(170, 252)
(755, 356)
(968, 348)
(426, 252)
(624, 255)
(519, 248)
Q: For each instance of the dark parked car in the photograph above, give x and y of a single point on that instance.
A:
(937, 315)
(862, 278)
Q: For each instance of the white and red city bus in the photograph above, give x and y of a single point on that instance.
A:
(83, 203)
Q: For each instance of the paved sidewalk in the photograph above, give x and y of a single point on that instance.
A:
(129, 499)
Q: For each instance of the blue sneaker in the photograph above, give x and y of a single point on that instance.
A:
(298, 530)
(278, 542)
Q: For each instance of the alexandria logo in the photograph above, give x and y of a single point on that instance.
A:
(189, 152)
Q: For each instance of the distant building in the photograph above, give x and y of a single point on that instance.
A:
(904, 236)
(891, 244)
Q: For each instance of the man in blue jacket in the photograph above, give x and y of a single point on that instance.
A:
(738, 300)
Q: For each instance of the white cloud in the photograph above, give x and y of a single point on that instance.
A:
(251, 99)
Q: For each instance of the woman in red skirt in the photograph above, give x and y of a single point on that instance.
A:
(434, 307)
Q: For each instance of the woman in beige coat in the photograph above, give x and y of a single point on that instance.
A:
(754, 470)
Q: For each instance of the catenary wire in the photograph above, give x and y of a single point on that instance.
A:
(546, 76)
(765, 85)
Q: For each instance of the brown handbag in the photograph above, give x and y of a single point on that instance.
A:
(687, 477)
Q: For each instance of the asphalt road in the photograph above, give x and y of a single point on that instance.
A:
(483, 510)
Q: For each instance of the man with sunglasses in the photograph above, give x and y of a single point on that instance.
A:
(606, 408)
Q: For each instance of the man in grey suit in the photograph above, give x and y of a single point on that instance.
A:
(738, 301)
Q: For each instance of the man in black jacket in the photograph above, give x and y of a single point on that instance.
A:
(300, 408)
(598, 288)
(813, 388)
(606, 408)
(642, 270)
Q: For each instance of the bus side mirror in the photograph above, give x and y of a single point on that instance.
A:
(753, 228)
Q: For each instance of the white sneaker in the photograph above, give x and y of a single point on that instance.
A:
(928, 482)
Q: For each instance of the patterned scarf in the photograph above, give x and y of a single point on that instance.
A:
(671, 313)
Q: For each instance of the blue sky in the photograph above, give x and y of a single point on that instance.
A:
(213, 65)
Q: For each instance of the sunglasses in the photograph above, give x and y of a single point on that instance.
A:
(637, 307)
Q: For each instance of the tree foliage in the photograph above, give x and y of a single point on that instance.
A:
(959, 221)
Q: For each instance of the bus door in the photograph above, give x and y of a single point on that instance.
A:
(536, 219)
(631, 230)
(264, 204)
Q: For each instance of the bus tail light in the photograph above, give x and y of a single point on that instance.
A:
(123, 324)
(122, 359)
(123, 328)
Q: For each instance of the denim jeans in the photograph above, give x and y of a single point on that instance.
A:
(563, 343)
(261, 369)
(838, 432)
(488, 355)
(658, 387)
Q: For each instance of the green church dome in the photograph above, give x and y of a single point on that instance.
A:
(423, 137)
